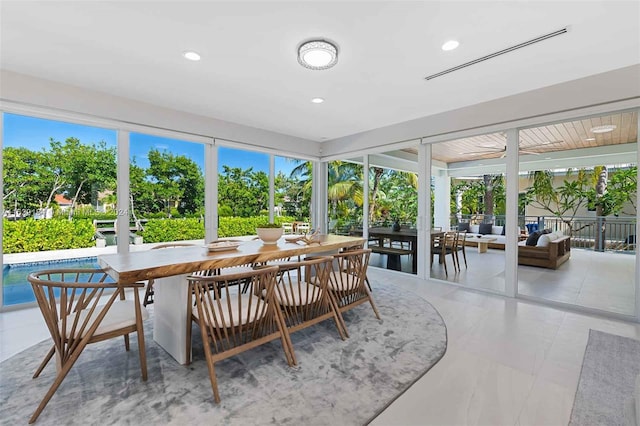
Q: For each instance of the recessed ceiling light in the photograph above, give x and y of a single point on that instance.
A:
(450, 45)
(590, 139)
(604, 129)
(317, 100)
(317, 54)
(191, 55)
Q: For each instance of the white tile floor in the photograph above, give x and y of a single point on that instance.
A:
(508, 362)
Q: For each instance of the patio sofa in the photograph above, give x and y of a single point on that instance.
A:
(488, 230)
(551, 250)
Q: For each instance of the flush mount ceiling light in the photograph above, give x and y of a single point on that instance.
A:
(450, 45)
(317, 54)
(317, 100)
(191, 55)
(604, 129)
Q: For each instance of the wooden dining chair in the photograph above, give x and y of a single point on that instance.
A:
(462, 239)
(72, 302)
(148, 293)
(301, 292)
(347, 282)
(231, 321)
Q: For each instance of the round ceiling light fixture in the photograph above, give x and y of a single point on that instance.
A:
(604, 129)
(191, 55)
(317, 54)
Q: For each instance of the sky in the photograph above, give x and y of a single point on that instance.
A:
(35, 133)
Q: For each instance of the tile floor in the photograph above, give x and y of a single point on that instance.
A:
(508, 362)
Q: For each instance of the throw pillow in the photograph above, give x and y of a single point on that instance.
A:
(544, 240)
(463, 227)
(533, 238)
(485, 228)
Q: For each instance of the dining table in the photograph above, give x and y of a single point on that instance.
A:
(170, 267)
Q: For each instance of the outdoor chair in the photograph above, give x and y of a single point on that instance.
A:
(447, 245)
(461, 244)
(347, 282)
(148, 294)
(232, 322)
(72, 302)
(301, 292)
(287, 228)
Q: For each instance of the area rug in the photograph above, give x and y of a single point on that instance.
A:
(336, 382)
(606, 387)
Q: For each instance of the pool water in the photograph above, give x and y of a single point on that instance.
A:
(15, 287)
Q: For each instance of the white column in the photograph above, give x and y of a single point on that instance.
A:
(442, 190)
(1, 208)
(272, 187)
(637, 286)
(319, 196)
(122, 220)
(365, 198)
(511, 231)
(424, 210)
(210, 192)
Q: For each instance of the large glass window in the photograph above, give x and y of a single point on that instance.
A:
(59, 183)
(468, 212)
(166, 189)
(344, 196)
(243, 191)
(293, 189)
(578, 201)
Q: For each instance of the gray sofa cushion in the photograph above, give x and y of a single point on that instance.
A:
(485, 228)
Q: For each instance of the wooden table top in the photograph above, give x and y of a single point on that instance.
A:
(143, 265)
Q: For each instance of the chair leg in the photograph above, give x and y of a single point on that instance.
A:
(366, 279)
(126, 342)
(59, 378)
(464, 255)
(336, 308)
(373, 304)
(142, 352)
(210, 366)
(45, 361)
(148, 294)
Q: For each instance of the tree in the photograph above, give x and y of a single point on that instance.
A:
(564, 201)
(26, 179)
(245, 192)
(84, 168)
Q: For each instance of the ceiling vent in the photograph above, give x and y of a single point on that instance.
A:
(501, 52)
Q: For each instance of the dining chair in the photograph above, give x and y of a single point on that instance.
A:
(78, 310)
(148, 293)
(462, 239)
(303, 228)
(287, 228)
(347, 282)
(231, 321)
(301, 292)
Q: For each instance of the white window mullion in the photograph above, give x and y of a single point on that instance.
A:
(123, 193)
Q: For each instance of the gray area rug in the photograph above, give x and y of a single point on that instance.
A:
(609, 369)
(336, 382)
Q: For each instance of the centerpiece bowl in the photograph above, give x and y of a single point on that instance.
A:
(270, 233)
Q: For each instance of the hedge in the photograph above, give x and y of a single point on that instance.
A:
(57, 234)
(39, 235)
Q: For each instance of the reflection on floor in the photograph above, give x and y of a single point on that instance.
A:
(508, 361)
(591, 279)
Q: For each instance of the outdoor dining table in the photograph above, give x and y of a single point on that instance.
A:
(387, 234)
(170, 268)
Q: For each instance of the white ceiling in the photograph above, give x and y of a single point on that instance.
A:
(249, 73)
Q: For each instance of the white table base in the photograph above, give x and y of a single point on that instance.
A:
(170, 315)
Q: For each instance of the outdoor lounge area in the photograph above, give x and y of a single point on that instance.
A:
(320, 213)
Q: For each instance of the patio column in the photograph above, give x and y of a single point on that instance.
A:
(210, 192)
(272, 187)
(442, 193)
(122, 192)
(637, 283)
(319, 196)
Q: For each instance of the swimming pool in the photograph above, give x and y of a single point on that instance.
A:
(15, 287)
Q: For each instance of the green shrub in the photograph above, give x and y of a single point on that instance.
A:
(52, 234)
(237, 226)
(163, 230)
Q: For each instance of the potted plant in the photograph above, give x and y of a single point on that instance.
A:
(269, 233)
